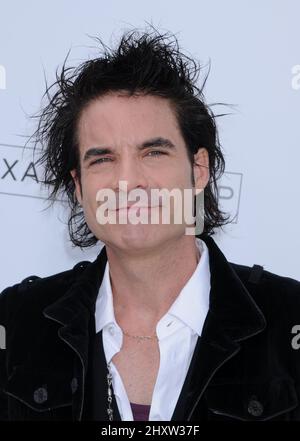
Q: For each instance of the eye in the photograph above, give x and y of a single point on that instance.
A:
(100, 161)
(157, 151)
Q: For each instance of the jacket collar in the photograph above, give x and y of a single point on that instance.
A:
(231, 304)
(82, 294)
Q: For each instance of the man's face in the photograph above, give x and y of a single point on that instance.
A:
(145, 148)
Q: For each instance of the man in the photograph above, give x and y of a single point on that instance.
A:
(160, 326)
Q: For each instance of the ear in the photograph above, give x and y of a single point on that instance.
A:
(77, 186)
(201, 168)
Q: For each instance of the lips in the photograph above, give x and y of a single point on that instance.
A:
(136, 207)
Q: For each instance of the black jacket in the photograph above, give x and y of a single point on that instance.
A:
(246, 365)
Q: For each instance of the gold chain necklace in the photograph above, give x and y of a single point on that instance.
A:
(142, 337)
(109, 374)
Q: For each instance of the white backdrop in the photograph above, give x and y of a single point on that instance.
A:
(255, 63)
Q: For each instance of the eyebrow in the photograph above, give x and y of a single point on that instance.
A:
(150, 143)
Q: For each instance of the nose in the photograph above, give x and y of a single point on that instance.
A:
(130, 171)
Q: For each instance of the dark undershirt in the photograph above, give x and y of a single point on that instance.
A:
(140, 411)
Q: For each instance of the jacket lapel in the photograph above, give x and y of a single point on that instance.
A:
(75, 311)
(97, 386)
(233, 316)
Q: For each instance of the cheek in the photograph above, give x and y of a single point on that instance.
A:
(89, 191)
(181, 178)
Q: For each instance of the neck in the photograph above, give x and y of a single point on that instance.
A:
(145, 287)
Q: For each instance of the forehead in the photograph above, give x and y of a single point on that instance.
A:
(120, 118)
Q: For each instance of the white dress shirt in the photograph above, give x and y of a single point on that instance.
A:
(177, 332)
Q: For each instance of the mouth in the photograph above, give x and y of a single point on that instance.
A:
(137, 207)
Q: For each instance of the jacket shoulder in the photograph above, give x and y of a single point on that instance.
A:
(43, 289)
(270, 288)
(260, 276)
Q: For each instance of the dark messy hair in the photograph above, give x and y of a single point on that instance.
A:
(142, 63)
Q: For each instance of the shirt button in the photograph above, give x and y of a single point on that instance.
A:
(74, 385)
(40, 395)
(255, 408)
(111, 330)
